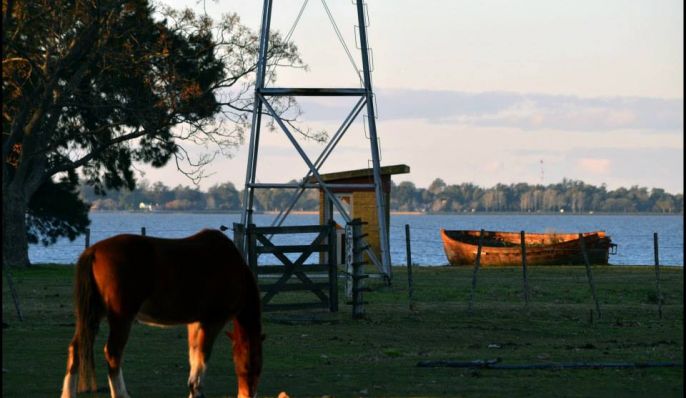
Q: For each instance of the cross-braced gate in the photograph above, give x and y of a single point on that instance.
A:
(293, 275)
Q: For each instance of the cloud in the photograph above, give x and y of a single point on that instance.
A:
(493, 166)
(526, 111)
(594, 166)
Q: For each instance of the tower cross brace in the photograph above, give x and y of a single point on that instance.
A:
(366, 99)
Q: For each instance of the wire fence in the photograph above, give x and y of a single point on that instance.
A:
(633, 248)
(537, 287)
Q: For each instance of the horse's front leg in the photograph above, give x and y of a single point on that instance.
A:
(201, 338)
(114, 349)
(247, 357)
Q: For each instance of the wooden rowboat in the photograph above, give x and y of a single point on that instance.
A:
(504, 248)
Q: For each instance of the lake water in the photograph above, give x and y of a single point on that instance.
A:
(632, 233)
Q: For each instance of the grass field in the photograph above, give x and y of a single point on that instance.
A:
(317, 353)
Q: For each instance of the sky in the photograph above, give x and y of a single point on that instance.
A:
(484, 92)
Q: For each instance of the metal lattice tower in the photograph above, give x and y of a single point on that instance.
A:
(262, 104)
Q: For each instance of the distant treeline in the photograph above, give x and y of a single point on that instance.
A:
(567, 196)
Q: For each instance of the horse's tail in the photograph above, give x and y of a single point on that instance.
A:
(89, 309)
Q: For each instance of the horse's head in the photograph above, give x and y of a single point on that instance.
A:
(247, 359)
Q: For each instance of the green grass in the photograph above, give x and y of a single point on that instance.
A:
(316, 353)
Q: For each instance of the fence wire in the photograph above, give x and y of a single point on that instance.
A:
(633, 248)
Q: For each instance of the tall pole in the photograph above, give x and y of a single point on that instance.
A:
(251, 169)
(589, 275)
(371, 117)
(410, 283)
(476, 269)
(526, 280)
(657, 275)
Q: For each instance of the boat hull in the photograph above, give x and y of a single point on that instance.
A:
(504, 248)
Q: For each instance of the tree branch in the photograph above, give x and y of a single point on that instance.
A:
(95, 152)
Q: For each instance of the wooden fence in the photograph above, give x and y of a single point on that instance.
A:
(289, 275)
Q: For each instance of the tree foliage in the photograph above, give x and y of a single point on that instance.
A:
(56, 210)
(570, 196)
(95, 87)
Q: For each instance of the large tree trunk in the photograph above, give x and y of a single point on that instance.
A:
(19, 183)
(15, 244)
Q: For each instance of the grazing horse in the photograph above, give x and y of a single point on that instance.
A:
(201, 281)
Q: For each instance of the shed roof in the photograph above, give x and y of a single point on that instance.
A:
(348, 174)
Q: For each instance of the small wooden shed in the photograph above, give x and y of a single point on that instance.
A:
(360, 202)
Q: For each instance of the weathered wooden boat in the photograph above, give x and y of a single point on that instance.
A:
(504, 248)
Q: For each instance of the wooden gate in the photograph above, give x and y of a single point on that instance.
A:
(292, 276)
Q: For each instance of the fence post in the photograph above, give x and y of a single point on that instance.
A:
(349, 259)
(88, 238)
(333, 268)
(476, 268)
(143, 231)
(526, 281)
(410, 283)
(357, 263)
(239, 239)
(588, 273)
(657, 275)
(252, 249)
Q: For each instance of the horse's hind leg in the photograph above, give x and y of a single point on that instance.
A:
(119, 334)
(69, 385)
(201, 337)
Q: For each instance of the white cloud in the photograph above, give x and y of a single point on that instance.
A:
(493, 166)
(594, 166)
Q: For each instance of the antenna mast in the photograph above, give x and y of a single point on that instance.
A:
(262, 105)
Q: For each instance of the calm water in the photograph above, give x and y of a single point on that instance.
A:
(632, 233)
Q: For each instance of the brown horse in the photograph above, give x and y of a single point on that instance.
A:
(201, 281)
